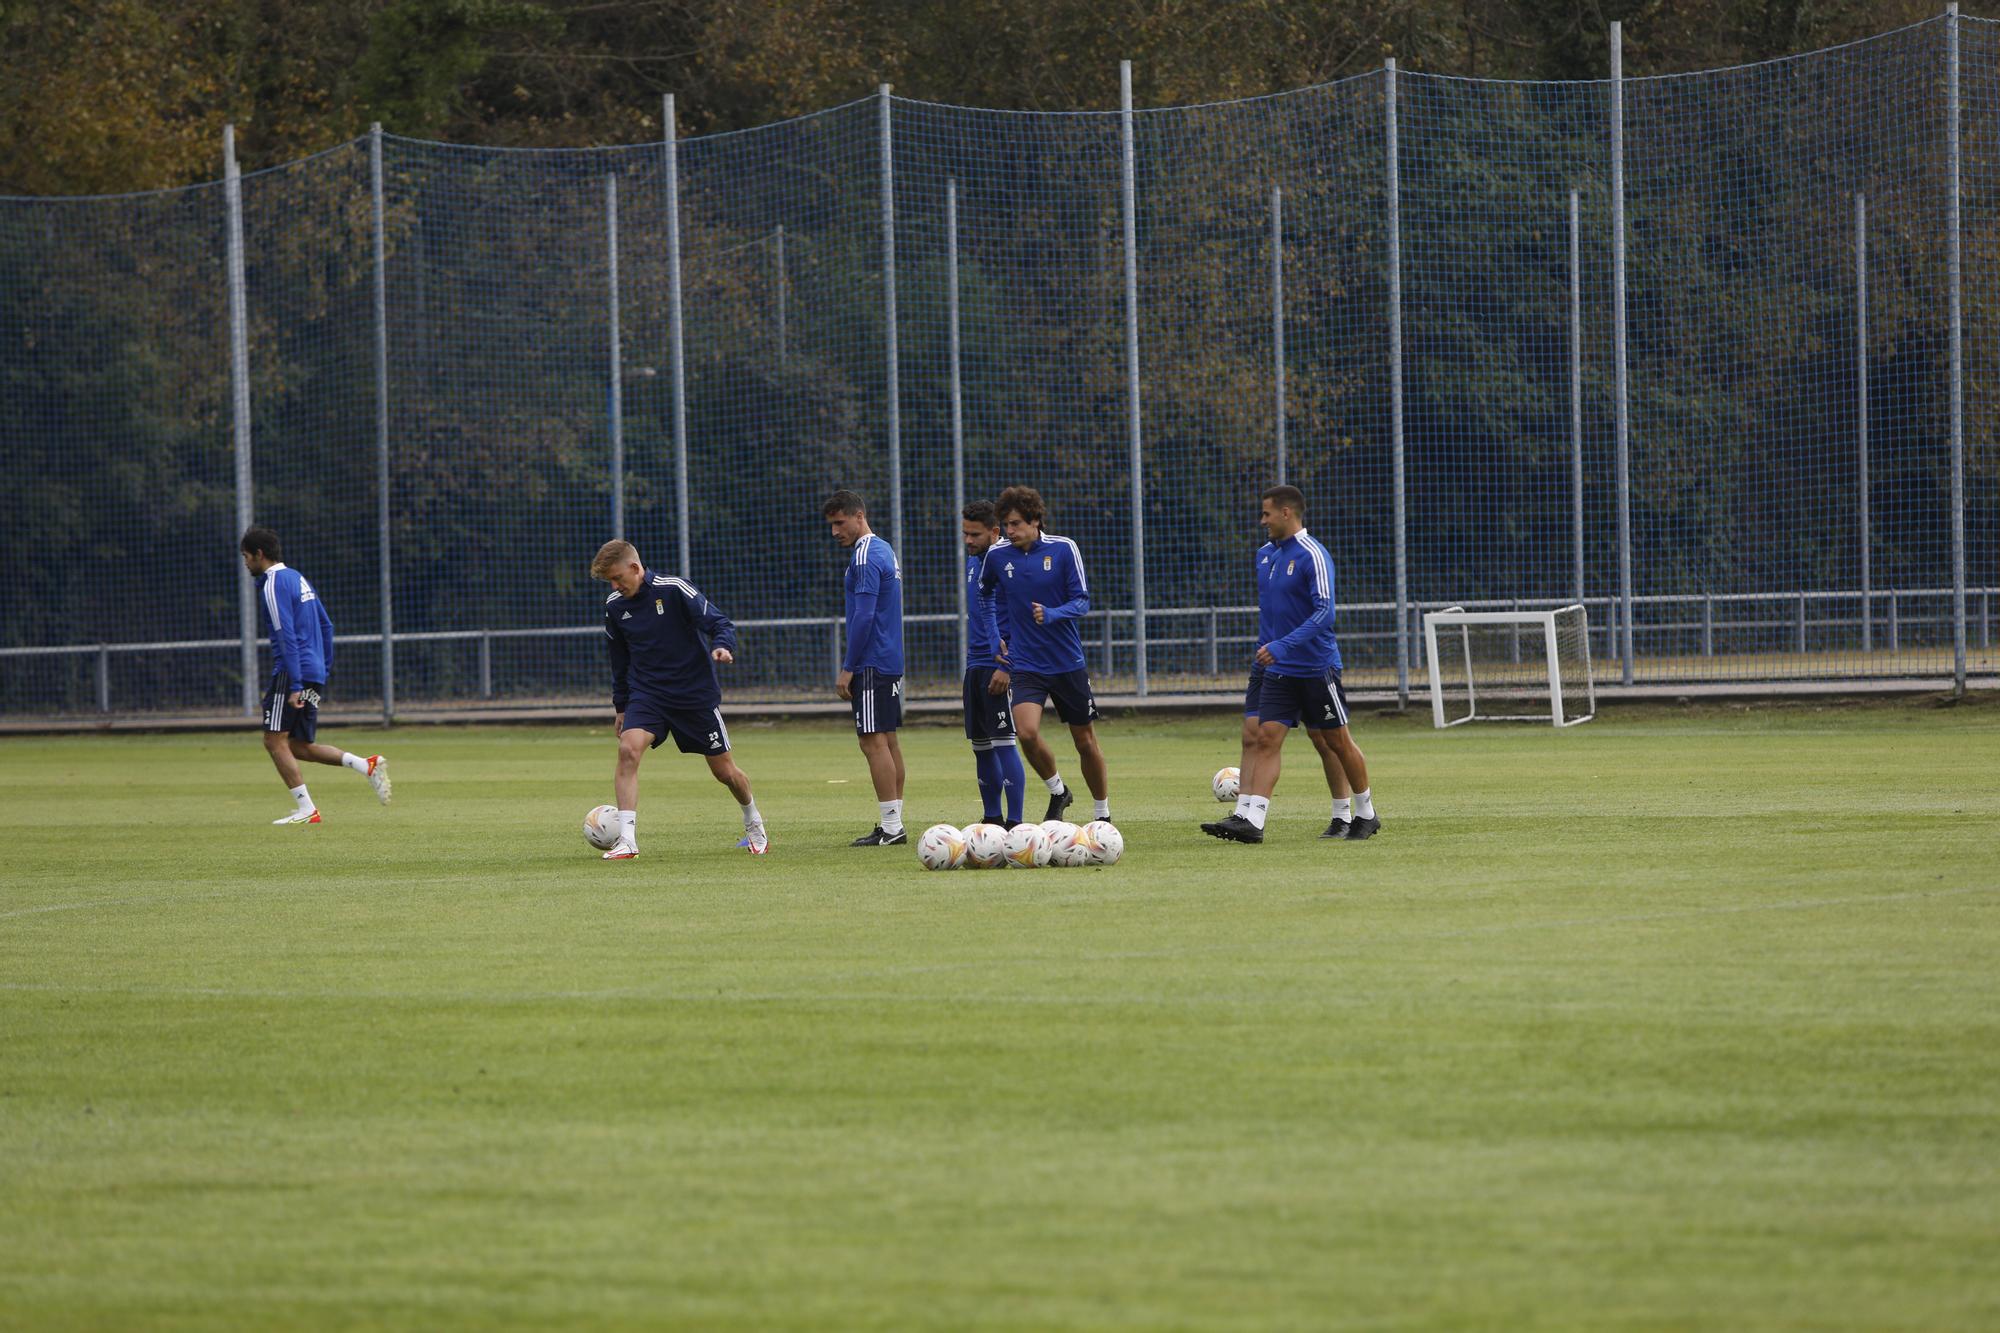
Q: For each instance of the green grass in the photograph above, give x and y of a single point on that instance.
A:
(1684, 1018)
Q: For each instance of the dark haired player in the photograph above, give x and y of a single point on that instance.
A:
(664, 639)
(1301, 682)
(989, 706)
(301, 654)
(871, 673)
(1041, 592)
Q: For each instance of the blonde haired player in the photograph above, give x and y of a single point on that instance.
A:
(665, 638)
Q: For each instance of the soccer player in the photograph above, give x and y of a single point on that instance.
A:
(1336, 775)
(1038, 579)
(871, 674)
(1301, 678)
(664, 639)
(989, 706)
(301, 653)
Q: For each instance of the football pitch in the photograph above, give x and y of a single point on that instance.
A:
(1689, 1017)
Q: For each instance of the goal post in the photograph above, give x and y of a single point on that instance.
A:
(1510, 666)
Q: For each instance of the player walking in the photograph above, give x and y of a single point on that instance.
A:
(871, 674)
(1041, 594)
(1336, 775)
(301, 654)
(989, 711)
(664, 639)
(1301, 678)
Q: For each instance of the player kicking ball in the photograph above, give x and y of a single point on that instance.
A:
(301, 655)
(1300, 661)
(1037, 579)
(660, 632)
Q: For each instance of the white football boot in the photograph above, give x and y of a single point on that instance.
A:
(378, 777)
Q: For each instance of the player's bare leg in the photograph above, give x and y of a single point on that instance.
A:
(1028, 733)
(1258, 781)
(1336, 784)
(1355, 766)
(632, 746)
(1096, 775)
(279, 746)
(374, 767)
(723, 766)
(885, 770)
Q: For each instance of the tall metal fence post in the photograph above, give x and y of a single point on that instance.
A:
(1131, 206)
(239, 401)
(1861, 413)
(1957, 365)
(957, 390)
(1395, 194)
(616, 390)
(784, 282)
(1278, 321)
(1576, 392)
(1619, 349)
(895, 389)
(383, 544)
(677, 358)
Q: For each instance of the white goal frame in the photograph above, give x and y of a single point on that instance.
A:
(1546, 621)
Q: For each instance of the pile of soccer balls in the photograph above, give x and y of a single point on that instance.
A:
(1023, 847)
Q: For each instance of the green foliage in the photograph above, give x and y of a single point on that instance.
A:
(422, 54)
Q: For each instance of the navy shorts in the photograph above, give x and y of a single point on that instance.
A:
(1076, 702)
(988, 717)
(300, 723)
(695, 730)
(1253, 694)
(878, 701)
(1319, 701)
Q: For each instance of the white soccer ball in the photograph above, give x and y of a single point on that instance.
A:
(985, 845)
(941, 848)
(1027, 846)
(600, 827)
(1062, 839)
(1226, 784)
(1107, 844)
(1076, 854)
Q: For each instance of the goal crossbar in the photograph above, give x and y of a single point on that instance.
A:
(1562, 713)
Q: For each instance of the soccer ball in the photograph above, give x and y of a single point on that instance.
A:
(1107, 844)
(1076, 853)
(1027, 846)
(1226, 784)
(1062, 838)
(941, 848)
(985, 845)
(600, 827)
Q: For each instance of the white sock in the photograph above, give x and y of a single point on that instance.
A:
(751, 819)
(303, 801)
(1054, 784)
(357, 762)
(1259, 808)
(1100, 809)
(1343, 807)
(628, 828)
(1364, 805)
(892, 816)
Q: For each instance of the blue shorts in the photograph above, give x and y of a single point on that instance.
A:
(1319, 700)
(695, 730)
(1076, 702)
(988, 716)
(1254, 692)
(878, 701)
(300, 723)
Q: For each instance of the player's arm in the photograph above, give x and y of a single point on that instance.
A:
(860, 620)
(717, 628)
(1076, 595)
(281, 599)
(989, 586)
(621, 665)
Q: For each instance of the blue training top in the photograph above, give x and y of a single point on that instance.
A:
(874, 594)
